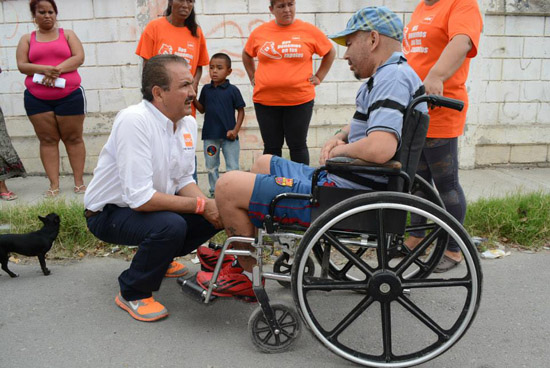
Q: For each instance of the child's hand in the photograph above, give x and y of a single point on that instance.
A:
(232, 135)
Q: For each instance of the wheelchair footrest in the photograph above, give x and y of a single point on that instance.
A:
(190, 288)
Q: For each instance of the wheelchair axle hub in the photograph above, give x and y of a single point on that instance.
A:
(384, 286)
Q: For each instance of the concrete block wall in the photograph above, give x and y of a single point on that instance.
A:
(508, 121)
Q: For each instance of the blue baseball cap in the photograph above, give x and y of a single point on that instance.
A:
(380, 19)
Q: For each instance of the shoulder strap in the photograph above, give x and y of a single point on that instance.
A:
(387, 103)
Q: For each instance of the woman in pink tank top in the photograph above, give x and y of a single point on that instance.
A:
(55, 105)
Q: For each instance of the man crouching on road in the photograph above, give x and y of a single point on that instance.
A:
(373, 40)
(143, 193)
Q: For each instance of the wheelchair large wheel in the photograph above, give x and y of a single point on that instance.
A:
(379, 317)
(424, 265)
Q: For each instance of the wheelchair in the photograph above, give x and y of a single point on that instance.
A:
(360, 291)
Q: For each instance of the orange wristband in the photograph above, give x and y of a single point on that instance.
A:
(201, 204)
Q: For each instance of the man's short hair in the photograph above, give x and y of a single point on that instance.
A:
(223, 56)
(156, 74)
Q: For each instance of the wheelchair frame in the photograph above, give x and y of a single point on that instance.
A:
(274, 327)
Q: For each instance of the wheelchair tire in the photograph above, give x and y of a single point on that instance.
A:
(283, 266)
(367, 319)
(264, 339)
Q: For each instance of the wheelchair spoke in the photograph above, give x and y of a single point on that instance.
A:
(352, 316)
(421, 227)
(267, 337)
(382, 253)
(263, 329)
(286, 334)
(423, 317)
(386, 330)
(344, 270)
(350, 255)
(437, 283)
(277, 339)
(316, 283)
(288, 324)
(417, 252)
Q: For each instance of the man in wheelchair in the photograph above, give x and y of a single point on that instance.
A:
(373, 39)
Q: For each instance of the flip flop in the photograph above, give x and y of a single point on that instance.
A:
(79, 189)
(446, 264)
(51, 193)
(8, 196)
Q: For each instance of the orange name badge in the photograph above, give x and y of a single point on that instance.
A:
(284, 182)
(188, 139)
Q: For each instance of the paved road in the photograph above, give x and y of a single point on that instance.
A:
(69, 319)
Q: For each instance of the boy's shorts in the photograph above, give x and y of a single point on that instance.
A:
(73, 104)
(286, 177)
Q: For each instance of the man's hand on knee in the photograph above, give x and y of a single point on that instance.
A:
(212, 214)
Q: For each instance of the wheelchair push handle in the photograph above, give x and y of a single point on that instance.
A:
(435, 100)
(450, 103)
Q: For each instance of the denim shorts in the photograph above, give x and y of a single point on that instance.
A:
(73, 104)
(285, 177)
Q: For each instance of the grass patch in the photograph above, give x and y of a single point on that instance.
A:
(521, 220)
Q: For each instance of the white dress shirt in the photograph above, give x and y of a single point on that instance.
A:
(143, 155)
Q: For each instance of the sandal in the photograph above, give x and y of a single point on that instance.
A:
(8, 196)
(446, 264)
(51, 193)
(79, 189)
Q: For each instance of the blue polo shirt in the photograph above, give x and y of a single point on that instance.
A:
(395, 80)
(219, 104)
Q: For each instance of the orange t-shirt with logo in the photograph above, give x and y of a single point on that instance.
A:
(285, 61)
(424, 39)
(161, 37)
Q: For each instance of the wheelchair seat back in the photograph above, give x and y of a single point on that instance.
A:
(415, 128)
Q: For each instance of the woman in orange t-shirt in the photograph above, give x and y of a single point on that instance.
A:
(439, 41)
(284, 82)
(176, 33)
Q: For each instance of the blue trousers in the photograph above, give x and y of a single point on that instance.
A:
(161, 236)
(212, 148)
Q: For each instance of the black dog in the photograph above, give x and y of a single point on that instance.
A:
(37, 243)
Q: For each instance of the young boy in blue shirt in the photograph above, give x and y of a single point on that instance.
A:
(218, 101)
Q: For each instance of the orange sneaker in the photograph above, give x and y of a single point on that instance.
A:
(145, 310)
(176, 269)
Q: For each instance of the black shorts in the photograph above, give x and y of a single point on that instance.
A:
(73, 104)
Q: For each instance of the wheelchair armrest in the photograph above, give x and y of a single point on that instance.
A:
(337, 162)
(348, 168)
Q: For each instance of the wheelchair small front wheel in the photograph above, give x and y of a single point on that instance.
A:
(283, 266)
(268, 341)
